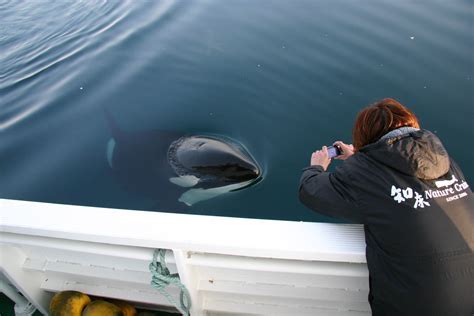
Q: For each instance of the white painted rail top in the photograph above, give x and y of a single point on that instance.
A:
(222, 235)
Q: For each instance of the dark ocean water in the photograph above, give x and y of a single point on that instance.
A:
(281, 77)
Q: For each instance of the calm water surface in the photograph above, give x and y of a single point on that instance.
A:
(281, 77)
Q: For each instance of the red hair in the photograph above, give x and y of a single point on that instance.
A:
(378, 119)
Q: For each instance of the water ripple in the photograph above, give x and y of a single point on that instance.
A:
(63, 33)
(50, 42)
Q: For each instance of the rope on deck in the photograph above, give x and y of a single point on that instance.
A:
(161, 278)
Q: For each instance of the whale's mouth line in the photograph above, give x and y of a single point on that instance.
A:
(248, 183)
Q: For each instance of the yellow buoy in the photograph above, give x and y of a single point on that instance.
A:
(101, 308)
(127, 309)
(68, 303)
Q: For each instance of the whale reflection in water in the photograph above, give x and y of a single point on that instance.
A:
(171, 167)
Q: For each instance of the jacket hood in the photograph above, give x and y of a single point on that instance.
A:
(419, 153)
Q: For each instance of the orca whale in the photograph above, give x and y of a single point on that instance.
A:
(172, 167)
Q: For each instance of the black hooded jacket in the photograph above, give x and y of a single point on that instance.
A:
(418, 214)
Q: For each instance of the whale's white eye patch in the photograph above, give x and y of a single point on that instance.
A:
(185, 181)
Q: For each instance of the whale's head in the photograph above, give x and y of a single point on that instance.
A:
(215, 161)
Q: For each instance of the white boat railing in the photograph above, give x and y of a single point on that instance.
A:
(230, 266)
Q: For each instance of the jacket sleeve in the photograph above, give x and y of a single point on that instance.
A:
(330, 193)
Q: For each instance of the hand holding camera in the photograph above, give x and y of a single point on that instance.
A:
(323, 157)
(346, 150)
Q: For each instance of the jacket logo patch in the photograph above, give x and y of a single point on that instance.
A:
(451, 190)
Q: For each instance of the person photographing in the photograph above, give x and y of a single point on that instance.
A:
(416, 206)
